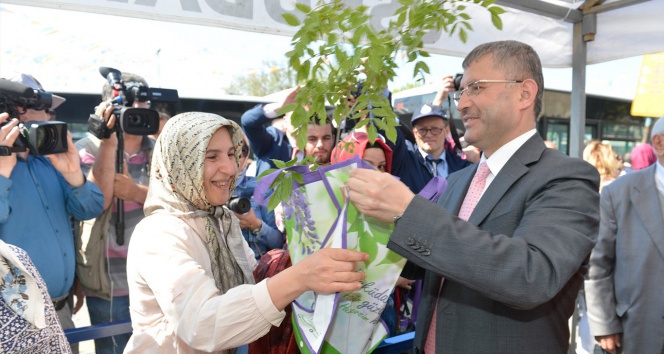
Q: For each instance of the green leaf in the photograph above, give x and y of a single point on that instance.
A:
(266, 172)
(391, 134)
(280, 164)
(297, 177)
(497, 22)
(497, 10)
(291, 19)
(287, 108)
(302, 7)
(462, 35)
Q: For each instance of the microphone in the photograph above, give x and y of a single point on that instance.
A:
(14, 89)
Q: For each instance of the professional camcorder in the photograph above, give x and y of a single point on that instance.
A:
(135, 121)
(42, 138)
(239, 205)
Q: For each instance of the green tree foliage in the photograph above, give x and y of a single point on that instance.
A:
(336, 46)
(274, 77)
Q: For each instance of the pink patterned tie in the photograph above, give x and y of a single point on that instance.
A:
(469, 202)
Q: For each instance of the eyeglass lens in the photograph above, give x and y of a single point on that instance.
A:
(424, 132)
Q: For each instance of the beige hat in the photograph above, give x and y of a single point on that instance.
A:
(29, 80)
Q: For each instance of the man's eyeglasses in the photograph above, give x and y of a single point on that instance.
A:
(424, 132)
(474, 87)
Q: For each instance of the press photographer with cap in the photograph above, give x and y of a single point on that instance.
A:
(39, 195)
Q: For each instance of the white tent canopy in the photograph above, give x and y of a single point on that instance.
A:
(623, 28)
(612, 29)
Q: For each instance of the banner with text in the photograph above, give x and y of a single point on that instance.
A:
(550, 37)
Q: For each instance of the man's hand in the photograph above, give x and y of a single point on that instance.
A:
(249, 220)
(105, 111)
(404, 283)
(79, 295)
(69, 164)
(446, 87)
(290, 98)
(609, 342)
(368, 190)
(8, 134)
(125, 188)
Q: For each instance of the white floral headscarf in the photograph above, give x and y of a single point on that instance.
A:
(176, 188)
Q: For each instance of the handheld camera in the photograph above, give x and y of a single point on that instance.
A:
(457, 81)
(42, 138)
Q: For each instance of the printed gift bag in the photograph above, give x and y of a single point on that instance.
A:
(317, 215)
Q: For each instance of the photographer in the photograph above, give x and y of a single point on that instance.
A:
(105, 281)
(39, 195)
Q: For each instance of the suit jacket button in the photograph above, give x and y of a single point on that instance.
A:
(427, 252)
(410, 241)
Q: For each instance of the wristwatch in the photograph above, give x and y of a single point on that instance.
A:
(257, 230)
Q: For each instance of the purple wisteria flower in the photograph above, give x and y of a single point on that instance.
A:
(296, 208)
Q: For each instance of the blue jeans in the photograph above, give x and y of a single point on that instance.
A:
(102, 311)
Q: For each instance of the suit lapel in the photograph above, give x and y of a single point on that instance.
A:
(515, 168)
(645, 198)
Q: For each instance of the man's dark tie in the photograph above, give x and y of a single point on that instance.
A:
(432, 164)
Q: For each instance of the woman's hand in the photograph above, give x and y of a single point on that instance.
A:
(325, 271)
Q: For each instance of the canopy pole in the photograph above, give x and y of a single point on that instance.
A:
(577, 122)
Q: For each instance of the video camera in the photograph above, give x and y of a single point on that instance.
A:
(42, 138)
(135, 121)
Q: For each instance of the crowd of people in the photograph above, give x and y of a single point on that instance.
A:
(139, 226)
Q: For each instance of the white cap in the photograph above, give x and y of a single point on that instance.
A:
(29, 80)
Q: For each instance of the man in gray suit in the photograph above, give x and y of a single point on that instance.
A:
(512, 268)
(625, 285)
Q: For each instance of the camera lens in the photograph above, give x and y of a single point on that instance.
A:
(137, 120)
(239, 205)
(47, 138)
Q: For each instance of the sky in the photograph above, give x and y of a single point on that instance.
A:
(64, 50)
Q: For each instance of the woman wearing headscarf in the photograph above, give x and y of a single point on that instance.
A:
(189, 269)
(378, 154)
